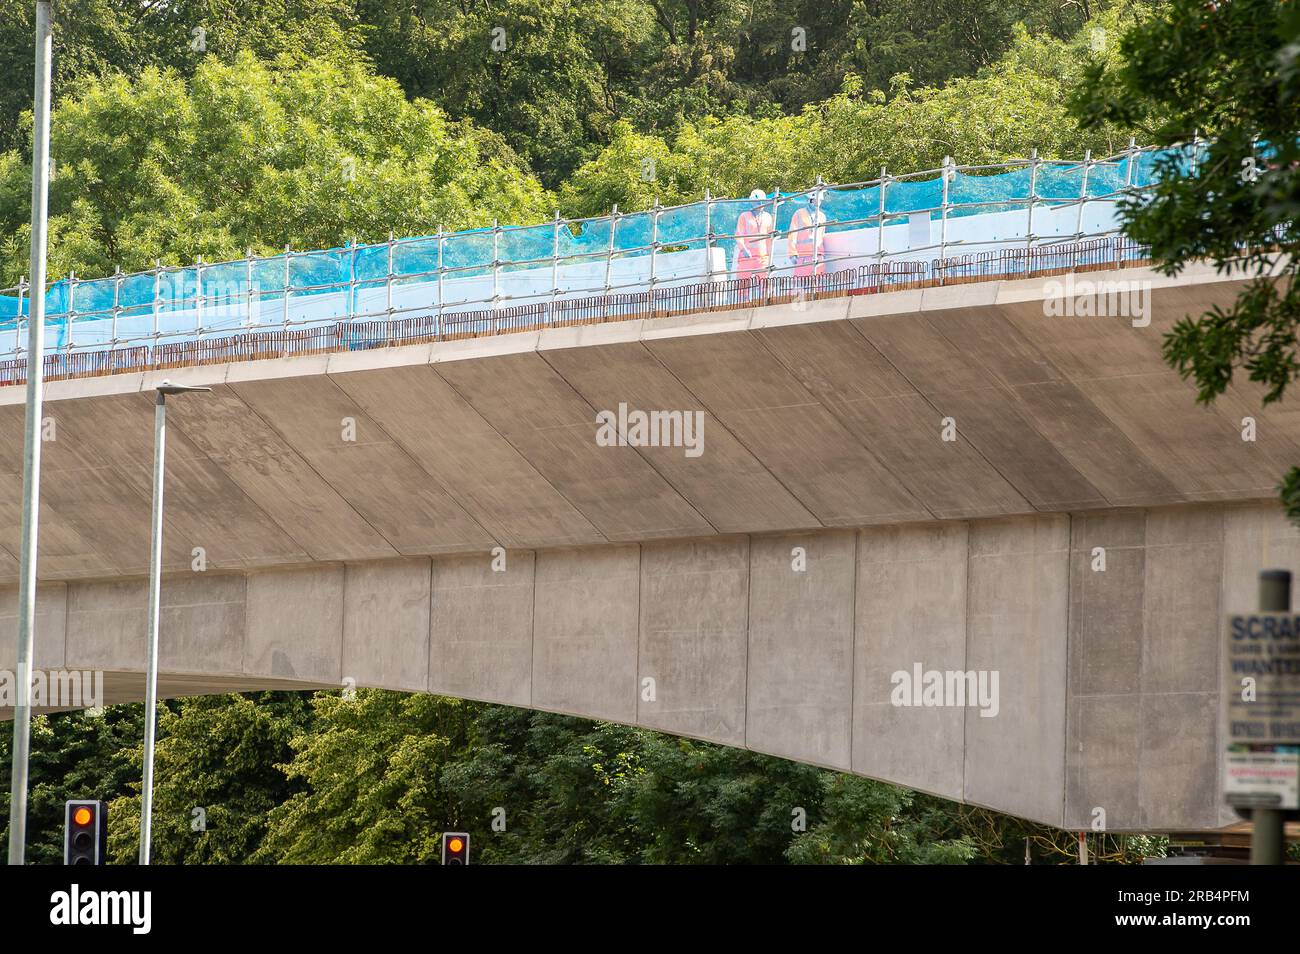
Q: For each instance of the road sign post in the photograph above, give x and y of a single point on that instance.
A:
(1261, 715)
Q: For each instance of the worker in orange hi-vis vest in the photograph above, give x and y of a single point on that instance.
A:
(754, 240)
(808, 237)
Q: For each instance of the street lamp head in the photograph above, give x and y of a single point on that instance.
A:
(167, 388)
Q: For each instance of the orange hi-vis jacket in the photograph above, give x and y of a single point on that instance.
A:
(805, 239)
(754, 240)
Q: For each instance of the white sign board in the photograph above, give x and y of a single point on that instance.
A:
(1261, 710)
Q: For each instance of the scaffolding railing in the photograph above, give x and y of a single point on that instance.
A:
(953, 224)
(357, 335)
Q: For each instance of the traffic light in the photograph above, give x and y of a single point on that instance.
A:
(85, 832)
(455, 848)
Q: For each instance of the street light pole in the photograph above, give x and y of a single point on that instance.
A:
(155, 592)
(32, 437)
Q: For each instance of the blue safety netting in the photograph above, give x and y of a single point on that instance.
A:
(475, 252)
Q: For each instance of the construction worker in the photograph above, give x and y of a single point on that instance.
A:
(754, 230)
(807, 238)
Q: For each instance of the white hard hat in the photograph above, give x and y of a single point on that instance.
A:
(758, 194)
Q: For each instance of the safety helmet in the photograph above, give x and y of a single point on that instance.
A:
(758, 194)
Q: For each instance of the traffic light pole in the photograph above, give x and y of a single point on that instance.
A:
(155, 594)
(1266, 837)
(32, 436)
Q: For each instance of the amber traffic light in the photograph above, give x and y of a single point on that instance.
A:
(455, 848)
(85, 832)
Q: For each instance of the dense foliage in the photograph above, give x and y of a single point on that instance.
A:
(305, 778)
(246, 155)
(551, 76)
(1229, 71)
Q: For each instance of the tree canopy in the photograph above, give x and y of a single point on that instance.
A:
(1229, 71)
(251, 155)
(317, 778)
(1004, 112)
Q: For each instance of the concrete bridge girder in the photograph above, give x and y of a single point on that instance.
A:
(1108, 679)
(327, 558)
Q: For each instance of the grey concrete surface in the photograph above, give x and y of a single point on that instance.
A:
(823, 415)
(585, 626)
(1016, 625)
(481, 640)
(693, 638)
(783, 643)
(801, 608)
(911, 608)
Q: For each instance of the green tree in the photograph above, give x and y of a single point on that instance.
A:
(545, 74)
(708, 804)
(244, 155)
(1230, 71)
(217, 777)
(870, 823)
(370, 790)
(1002, 113)
(799, 53)
(383, 775)
(73, 755)
(105, 37)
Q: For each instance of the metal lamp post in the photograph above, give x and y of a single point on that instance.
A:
(32, 438)
(155, 592)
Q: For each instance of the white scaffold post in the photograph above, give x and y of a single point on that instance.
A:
(1083, 202)
(712, 295)
(609, 252)
(1130, 156)
(555, 267)
(284, 300)
(880, 227)
(248, 288)
(352, 278)
(288, 257)
(496, 267)
(388, 278)
(441, 294)
(117, 309)
(18, 317)
(157, 302)
(198, 297)
(819, 231)
(654, 250)
(771, 244)
(1033, 198)
(70, 318)
(948, 173)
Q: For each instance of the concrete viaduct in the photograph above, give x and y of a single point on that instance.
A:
(440, 517)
